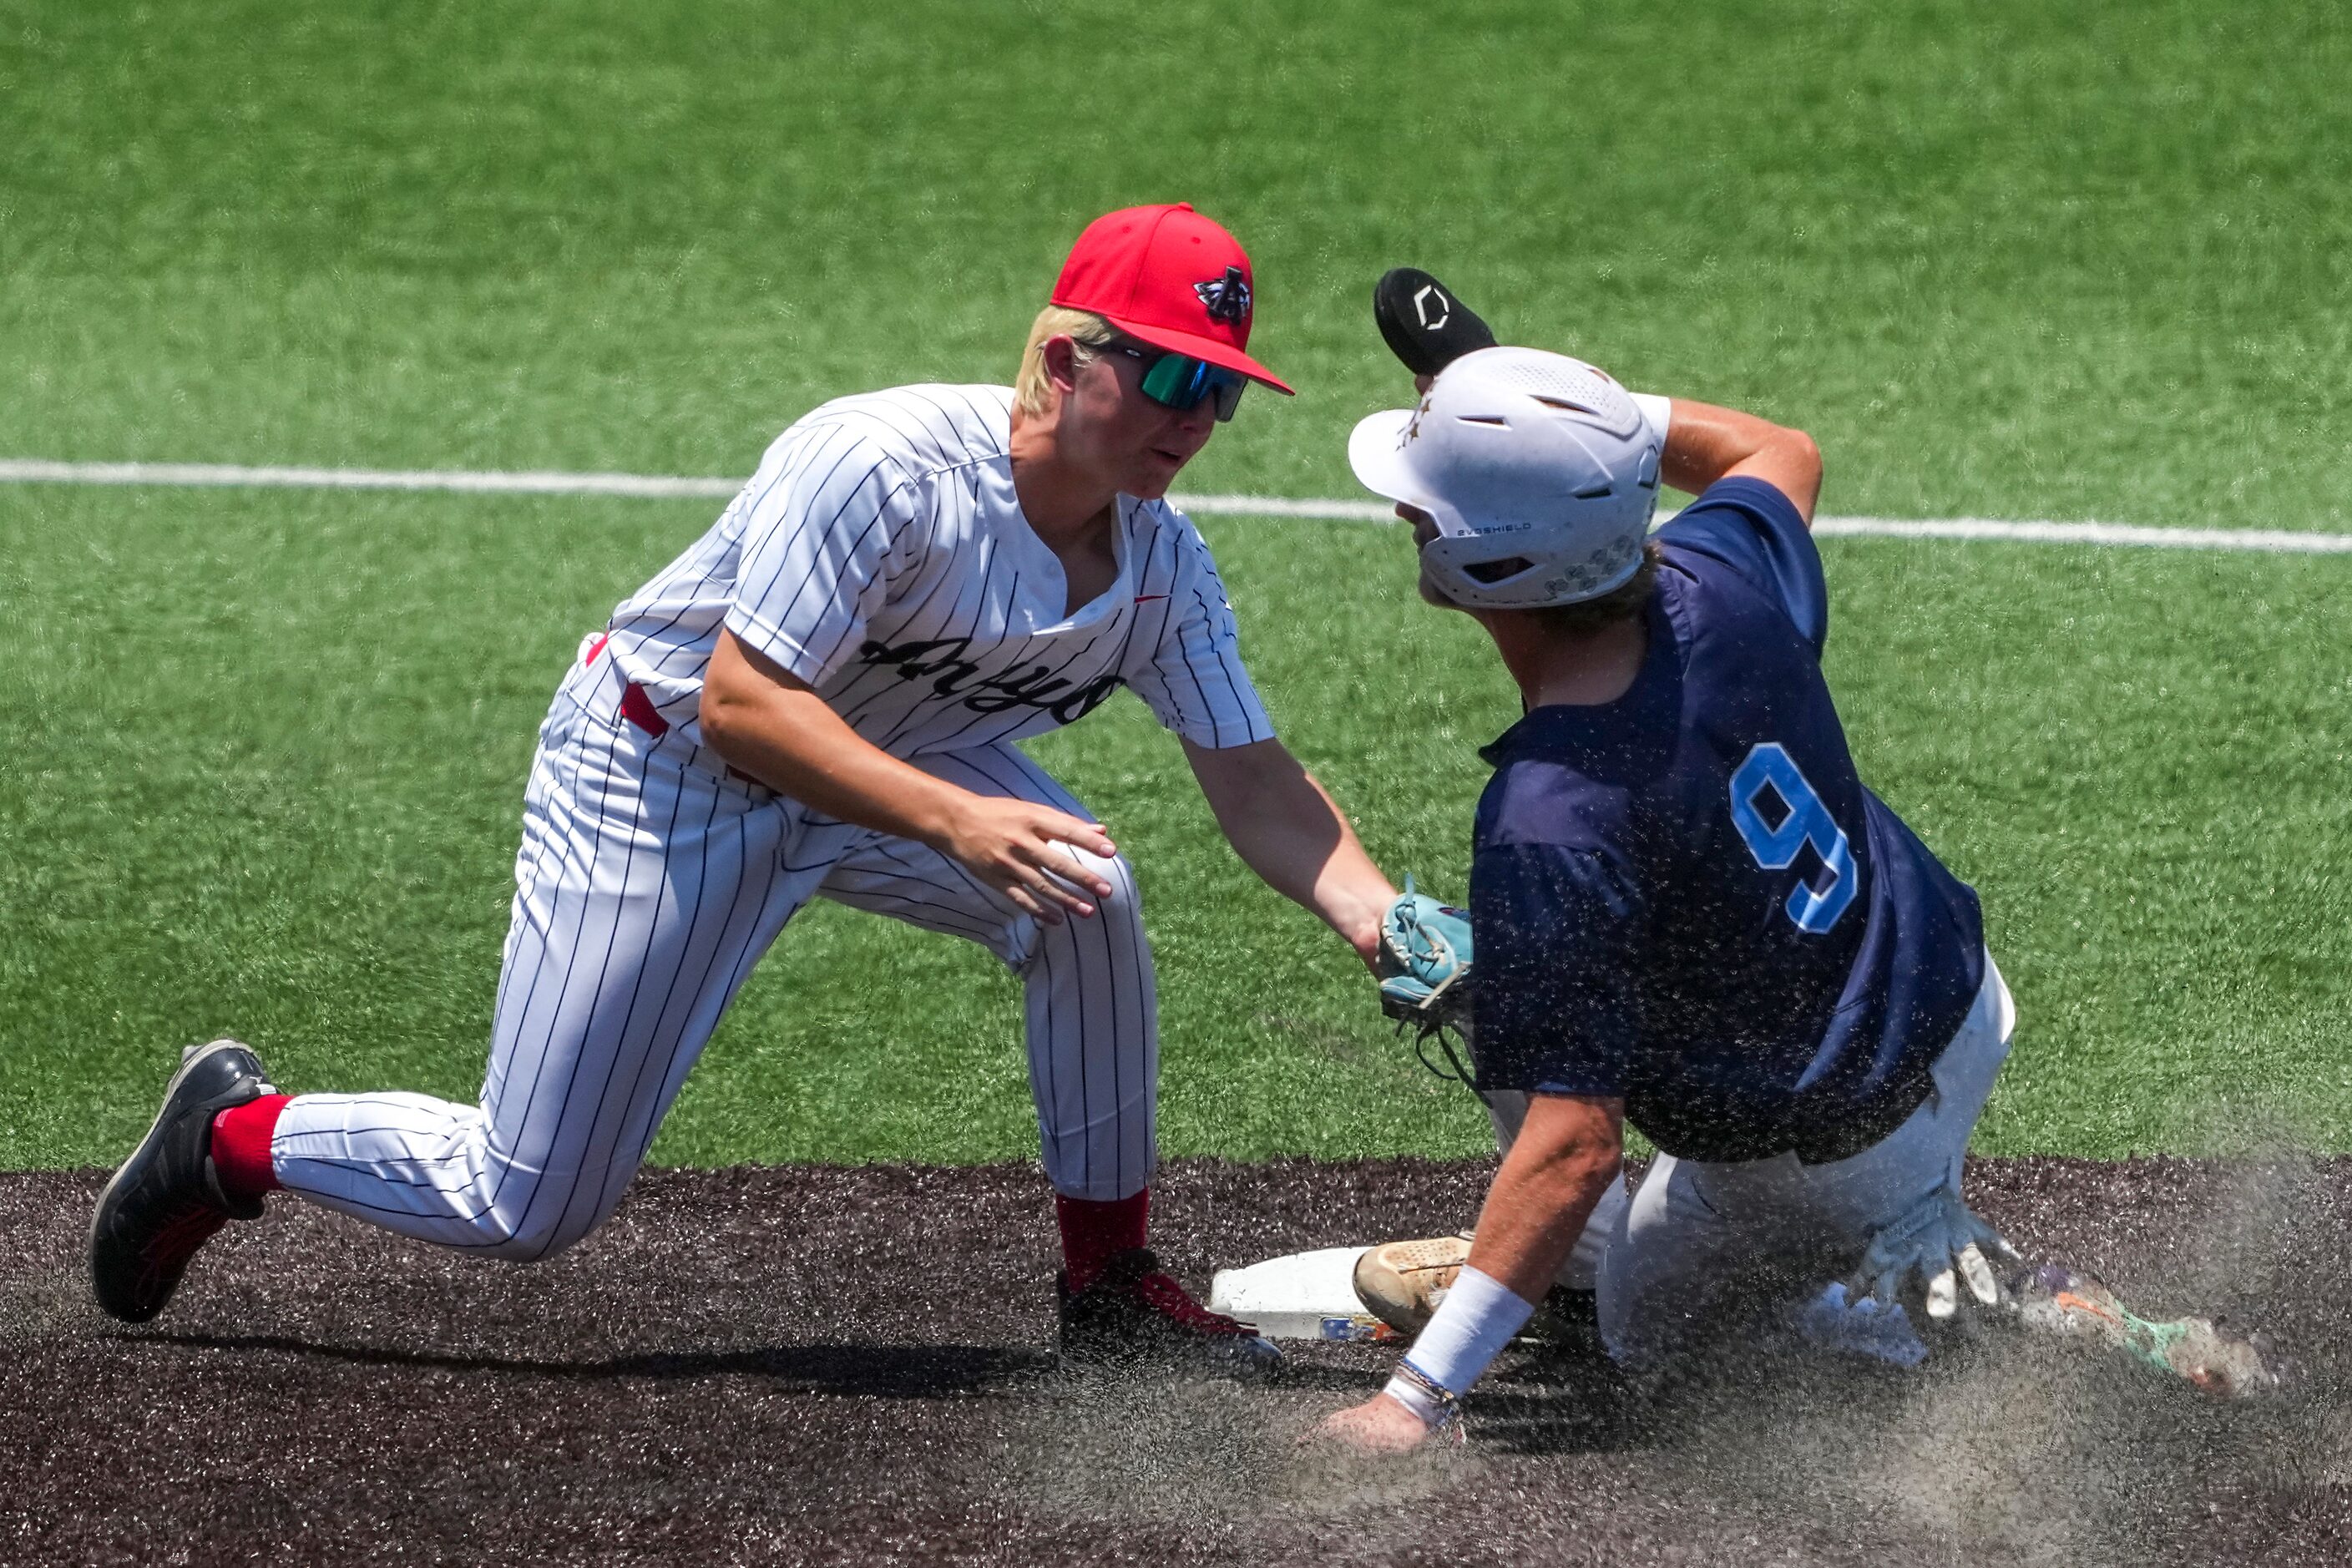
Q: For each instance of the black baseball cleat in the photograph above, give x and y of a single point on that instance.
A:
(166, 1201)
(1135, 1311)
(1425, 324)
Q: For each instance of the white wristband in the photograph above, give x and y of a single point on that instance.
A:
(1478, 1317)
(1657, 412)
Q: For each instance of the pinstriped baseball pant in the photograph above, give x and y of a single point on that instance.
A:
(647, 885)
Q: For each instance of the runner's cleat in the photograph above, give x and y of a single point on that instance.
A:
(166, 1201)
(1135, 1311)
(1402, 1282)
(2055, 1300)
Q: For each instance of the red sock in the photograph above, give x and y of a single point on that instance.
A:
(241, 1146)
(1095, 1233)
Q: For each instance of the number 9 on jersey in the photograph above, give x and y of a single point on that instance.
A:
(1805, 820)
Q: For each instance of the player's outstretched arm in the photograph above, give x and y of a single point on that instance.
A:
(1567, 1153)
(1571, 1148)
(1705, 443)
(1428, 327)
(1289, 830)
(772, 725)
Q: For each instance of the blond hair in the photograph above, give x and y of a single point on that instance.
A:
(1032, 387)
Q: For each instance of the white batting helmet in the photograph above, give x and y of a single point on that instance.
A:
(1539, 470)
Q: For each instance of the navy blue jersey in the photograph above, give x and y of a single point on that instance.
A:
(1685, 898)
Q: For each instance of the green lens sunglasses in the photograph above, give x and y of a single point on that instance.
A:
(1180, 381)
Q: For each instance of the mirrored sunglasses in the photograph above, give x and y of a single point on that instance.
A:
(1180, 381)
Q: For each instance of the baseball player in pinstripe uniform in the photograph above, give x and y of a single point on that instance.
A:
(822, 698)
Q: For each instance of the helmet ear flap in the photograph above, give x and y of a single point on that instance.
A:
(1495, 574)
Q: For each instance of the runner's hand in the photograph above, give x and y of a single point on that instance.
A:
(1938, 1243)
(1379, 1425)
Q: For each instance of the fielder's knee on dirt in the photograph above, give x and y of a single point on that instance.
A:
(533, 1216)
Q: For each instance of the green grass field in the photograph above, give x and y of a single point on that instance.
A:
(265, 748)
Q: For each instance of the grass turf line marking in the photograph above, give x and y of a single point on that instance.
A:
(2276, 540)
(34, 470)
(22, 470)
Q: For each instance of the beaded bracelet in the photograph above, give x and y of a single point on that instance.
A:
(1446, 1403)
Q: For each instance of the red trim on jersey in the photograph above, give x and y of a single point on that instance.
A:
(1094, 1233)
(241, 1137)
(602, 638)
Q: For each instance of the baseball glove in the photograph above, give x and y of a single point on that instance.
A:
(1424, 325)
(1425, 967)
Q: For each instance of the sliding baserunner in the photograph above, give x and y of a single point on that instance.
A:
(822, 698)
(1687, 911)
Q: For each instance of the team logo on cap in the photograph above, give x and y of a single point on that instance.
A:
(1227, 297)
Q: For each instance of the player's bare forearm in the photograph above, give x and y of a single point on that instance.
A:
(1564, 1158)
(1286, 827)
(1705, 443)
(769, 723)
(1566, 1154)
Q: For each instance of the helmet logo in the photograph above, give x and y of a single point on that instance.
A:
(1432, 307)
(1412, 425)
(1227, 298)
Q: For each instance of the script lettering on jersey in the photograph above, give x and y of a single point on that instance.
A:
(942, 661)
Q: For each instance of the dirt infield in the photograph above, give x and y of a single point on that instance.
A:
(823, 1366)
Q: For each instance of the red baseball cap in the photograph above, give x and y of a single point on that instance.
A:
(1170, 278)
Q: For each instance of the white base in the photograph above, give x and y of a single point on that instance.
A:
(1299, 1296)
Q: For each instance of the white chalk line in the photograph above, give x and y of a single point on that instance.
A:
(40, 471)
(34, 470)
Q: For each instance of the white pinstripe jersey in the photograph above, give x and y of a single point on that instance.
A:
(880, 556)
